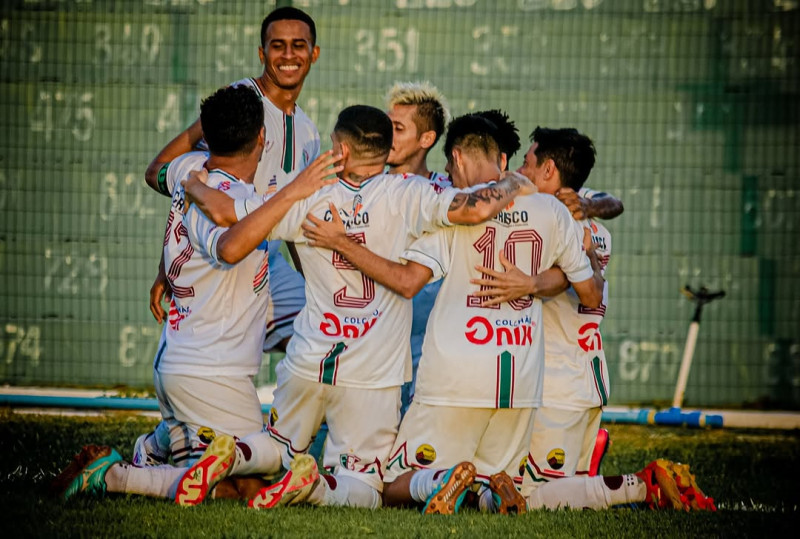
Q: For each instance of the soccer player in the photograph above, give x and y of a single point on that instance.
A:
(419, 114)
(576, 374)
(288, 49)
(480, 375)
(211, 347)
(350, 354)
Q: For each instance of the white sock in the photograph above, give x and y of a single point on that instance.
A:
(486, 500)
(161, 438)
(344, 491)
(156, 481)
(588, 492)
(424, 482)
(256, 454)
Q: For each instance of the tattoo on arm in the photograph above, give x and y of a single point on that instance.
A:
(484, 195)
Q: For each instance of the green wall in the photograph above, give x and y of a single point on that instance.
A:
(693, 106)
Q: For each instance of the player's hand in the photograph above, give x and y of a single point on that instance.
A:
(325, 234)
(158, 292)
(321, 172)
(193, 186)
(577, 205)
(502, 286)
(526, 187)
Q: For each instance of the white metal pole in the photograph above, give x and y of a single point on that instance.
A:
(686, 364)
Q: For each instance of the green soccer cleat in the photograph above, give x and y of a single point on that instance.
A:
(294, 486)
(447, 498)
(212, 467)
(87, 472)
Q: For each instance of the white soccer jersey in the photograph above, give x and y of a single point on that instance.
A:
(493, 357)
(216, 317)
(291, 143)
(576, 374)
(352, 331)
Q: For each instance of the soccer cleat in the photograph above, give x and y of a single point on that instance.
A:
(507, 498)
(447, 497)
(691, 495)
(601, 444)
(212, 467)
(145, 452)
(670, 485)
(86, 472)
(294, 486)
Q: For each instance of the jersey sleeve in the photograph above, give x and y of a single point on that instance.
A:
(205, 232)
(171, 173)
(422, 207)
(246, 206)
(572, 258)
(585, 192)
(432, 250)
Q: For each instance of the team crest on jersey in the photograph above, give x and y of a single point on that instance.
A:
(425, 454)
(176, 314)
(224, 185)
(555, 458)
(273, 416)
(349, 461)
(357, 203)
(206, 435)
(589, 337)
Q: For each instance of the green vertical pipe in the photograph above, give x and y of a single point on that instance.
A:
(749, 234)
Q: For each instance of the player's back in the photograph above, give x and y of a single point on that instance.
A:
(494, 356)
(215, 322)
(353, 331)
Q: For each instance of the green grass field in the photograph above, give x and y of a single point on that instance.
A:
(753, 475)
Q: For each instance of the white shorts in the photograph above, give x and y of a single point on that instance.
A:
(190, 404)
(561, 445)
(287, 297)
(495, 440)
(362, 424)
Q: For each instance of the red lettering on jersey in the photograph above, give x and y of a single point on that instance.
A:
(472, 336)
(589, 337)
(351, 328)
(480, 331)
(333, 321)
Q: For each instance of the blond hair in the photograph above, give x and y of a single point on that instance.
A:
(432, 112)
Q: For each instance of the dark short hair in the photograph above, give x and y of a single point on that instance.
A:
(232, 117)
(507, 132)
(288, 14)
(367, 129)
(472, 131)
(572, 152)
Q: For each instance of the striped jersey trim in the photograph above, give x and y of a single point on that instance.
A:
(597, 368)
(162, 180)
